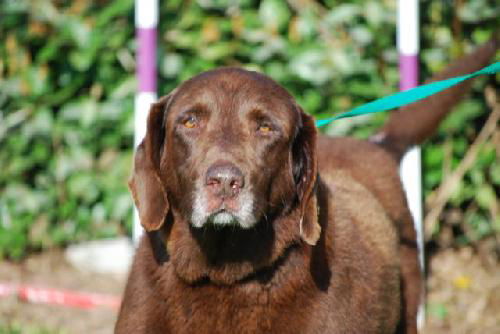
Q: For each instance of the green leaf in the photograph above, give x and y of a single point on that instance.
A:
(274, 13)
(463, 113)
(437, 310)
(486, 196)
(495, 173)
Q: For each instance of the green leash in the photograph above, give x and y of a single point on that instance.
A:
(409, 96)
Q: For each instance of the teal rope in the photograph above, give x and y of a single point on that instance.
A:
(409, 96)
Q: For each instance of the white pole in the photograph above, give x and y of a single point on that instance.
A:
(408, 47)
(146, 21)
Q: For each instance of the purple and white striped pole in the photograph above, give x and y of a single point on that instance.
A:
(146, 20)
(411, 174)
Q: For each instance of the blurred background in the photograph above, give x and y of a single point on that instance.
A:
(67, 85)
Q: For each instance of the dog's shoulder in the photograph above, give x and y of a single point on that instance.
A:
(141, 292)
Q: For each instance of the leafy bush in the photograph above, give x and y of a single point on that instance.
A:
(66, 122)
(23, 329)
(67, 86)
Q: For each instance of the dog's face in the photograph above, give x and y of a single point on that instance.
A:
(226, 132)
(227, 147)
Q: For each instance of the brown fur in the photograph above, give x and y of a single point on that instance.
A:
(333, 252)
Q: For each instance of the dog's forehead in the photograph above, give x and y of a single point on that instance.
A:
(235, 87)
(234, 79)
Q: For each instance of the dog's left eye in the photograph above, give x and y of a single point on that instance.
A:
(190, 122)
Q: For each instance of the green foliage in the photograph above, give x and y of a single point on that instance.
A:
(66, 108)
(67, 85)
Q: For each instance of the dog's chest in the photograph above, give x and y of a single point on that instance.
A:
(251, 307)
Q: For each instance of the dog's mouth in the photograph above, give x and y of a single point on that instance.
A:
(222, 217)
(236, 212)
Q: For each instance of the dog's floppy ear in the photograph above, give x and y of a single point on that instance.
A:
(148, 191)
(305, 170)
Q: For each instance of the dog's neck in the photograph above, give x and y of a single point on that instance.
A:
(226, 255)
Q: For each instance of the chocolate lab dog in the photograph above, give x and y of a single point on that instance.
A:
(256, 224)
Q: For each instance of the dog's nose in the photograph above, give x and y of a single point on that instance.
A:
(225, 179)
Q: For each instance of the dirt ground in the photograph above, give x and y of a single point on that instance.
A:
(463, 293)
(51, 270)
(463, 296)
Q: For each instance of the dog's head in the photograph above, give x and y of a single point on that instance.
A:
(228, 147)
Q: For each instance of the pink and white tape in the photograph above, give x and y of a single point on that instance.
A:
(41, 295)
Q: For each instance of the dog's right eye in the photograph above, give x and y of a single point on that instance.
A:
(264, 128)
